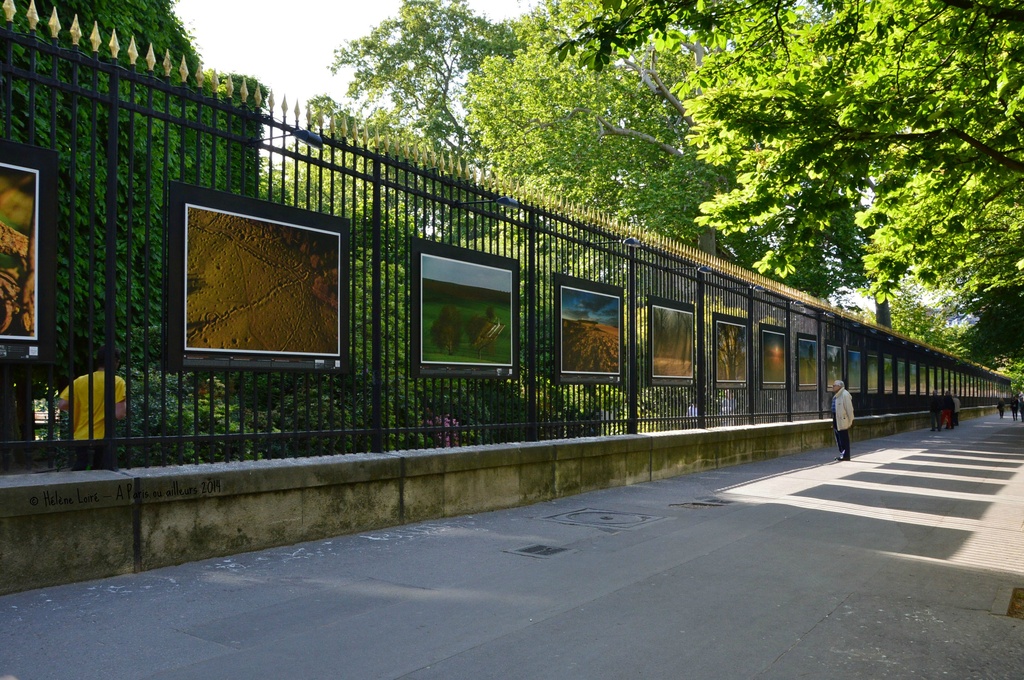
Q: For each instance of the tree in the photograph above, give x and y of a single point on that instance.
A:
(599, 140)
(907, 111)
(411, 69)
(615, 139)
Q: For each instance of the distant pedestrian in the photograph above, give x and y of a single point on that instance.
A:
(1001, 406)
(842, 418)
(956, 411)
(728, 403)
(947, 410)
(85, 399)
(935, 409)
(1013, 407)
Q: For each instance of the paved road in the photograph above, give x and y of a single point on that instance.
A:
(899, 564)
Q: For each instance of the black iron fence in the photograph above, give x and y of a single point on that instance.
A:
(461, 313)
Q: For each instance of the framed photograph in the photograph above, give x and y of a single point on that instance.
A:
(853, 370)
(888, 377)
(672, 340)
(872, 369)
(833, 364)
(254, 285)
(588, 332)
(730, 351)
(806, 362)
(465, 310)
(773, 357)
(28, 253)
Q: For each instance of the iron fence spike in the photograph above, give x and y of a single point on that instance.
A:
(54, 24)
(94, 37)
(32, 15)
(75, 31)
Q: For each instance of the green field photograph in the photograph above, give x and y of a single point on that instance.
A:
(466, 313)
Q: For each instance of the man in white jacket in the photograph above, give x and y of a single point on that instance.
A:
(842, 418)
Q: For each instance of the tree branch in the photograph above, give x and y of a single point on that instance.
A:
(607, 128)
(977, 145)
(992, 11)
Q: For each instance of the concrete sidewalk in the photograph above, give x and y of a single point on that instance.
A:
(898, 564)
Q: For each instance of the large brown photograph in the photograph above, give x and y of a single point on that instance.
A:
(259, 286)
(590, 334)
(19, 210)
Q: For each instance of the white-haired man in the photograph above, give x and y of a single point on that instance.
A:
(842, 418)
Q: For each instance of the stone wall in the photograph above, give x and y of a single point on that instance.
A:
(74, 526)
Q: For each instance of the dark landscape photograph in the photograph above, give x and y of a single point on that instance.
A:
(732, 352)
(671, 342)
(773, 358)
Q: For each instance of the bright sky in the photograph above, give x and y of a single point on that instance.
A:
(290, 46)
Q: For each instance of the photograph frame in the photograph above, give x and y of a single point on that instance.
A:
(808, 367)
(854, 369)
(873, 366)
(29, 333)
(732, 350)
(587, 313)
(664, 315)
(774, 357)
(833, 364)
(258, 228)
(485, 291)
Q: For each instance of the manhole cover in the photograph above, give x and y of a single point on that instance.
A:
(1016, 609)
(539, 551)
(605, 519)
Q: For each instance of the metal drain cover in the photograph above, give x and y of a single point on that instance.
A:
(604, 519)
(539, 551)
(701, 503)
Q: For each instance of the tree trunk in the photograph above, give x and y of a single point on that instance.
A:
(706, 242)
(883, 315)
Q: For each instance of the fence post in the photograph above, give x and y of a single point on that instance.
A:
(632, 425)
(791, 384)
(110, 257)
(532, 426)
(376, 294)
(751, 401)
(701, 367)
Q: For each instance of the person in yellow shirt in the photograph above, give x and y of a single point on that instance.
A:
(85, 399)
